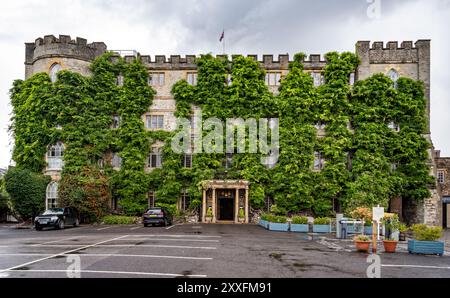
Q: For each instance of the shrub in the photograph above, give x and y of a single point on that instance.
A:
(278, 210)
(265, 216)
(361, 213)
(278, 219)
(423, 232)
(241, 213)
(301, 220)
(362, 238)
(402, 228)
(27, 191)
(119, 220)
(172, 208)
(322, 221)
(368, 223)
(209, 212)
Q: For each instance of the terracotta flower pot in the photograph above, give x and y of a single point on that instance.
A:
(362, 246)
(390, 245)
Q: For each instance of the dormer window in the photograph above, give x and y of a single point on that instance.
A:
(54, 69)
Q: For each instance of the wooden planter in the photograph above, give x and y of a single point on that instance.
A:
(302, 228)
(264, 223)
(426, 247)
(390, 245)
(321, 228)
(282, 227)
(362, 246)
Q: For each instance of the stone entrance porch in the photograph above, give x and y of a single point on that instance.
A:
(225, 198)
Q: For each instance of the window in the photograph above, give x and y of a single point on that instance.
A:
(349, 161)
(187, 161)
(156, 79)
(228, 161)
(54, 69)
(185, 200)
(229, 81)
(151, 197)
(116, 161)
(154, 158)
(51, 195)
(393, 75)
(318, 78)
(352, 79)
(58, 126)
(318, 161)
(273, 78)
(394, 166)
(116, 121)
(55, 157)
(155, 121)
(394, 126)
(119, 80)
(192, 78)
(320, 125)
(441, 177)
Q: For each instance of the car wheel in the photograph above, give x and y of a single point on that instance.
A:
(38, 228)
(61, 224)
(77, 223)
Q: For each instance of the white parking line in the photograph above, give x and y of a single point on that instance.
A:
(416, 266)
(111, 272)
(62, 253)
(55, 241)
(135, 228)
(83, 246)
(174, 235)
(168, 228)
(173, 239)
(101, 229)
(110, 255)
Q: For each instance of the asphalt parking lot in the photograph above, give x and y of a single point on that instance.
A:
(195, 250)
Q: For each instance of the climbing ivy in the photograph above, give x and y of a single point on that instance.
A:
(356, 124)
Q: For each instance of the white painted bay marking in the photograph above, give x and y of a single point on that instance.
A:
(111, 272)
(416, 266)
(111, 255)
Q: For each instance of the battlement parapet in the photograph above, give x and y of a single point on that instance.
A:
(63, 46)
(378, 52)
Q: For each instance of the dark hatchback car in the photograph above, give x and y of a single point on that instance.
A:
(57, 218)
(157, 215)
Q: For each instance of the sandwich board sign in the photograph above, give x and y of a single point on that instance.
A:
(377, 213)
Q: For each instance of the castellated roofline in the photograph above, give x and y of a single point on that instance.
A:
(391, 52)
(63, 46)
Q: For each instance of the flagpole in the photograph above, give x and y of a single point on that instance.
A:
(223, 41)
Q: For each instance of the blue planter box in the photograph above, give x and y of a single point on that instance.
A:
(368, 230)
(321, 228)
(284, 227)
(303, 228)
(426, 247)
(263, 223)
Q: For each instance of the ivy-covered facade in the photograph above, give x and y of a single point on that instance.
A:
(354, 130)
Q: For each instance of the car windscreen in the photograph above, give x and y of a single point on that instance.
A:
(153, 210)
(53, 211)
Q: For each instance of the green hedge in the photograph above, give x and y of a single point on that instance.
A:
(119, 220)
(302, 220)
(322, 221)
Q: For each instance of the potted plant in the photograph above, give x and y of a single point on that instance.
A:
(264, 220)
(278, 223)
(322, 225)
(364, 214)
(362, 243)
(402, 228)
(299, 224)
(209, 215)
(241, 215)
(391, 226)
(425, 240)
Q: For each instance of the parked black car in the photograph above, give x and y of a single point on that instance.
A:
(57, 218)
(157, 215)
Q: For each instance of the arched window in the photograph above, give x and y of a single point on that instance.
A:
(393, 75)
(54, 69)
(51, 195)
(55, 157)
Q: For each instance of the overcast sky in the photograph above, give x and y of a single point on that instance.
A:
(251, 27)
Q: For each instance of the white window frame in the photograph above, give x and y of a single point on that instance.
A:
(273, 78)
(51, 195)
(151, 199)
(55, 157)
(116, 161)
(319, 161)
(318, 78)
(154, 160)
(185, 200)
(187, 160)
(54, 69)
(154, 121)
(116, 121)
(191, 78)
(394, 76)
(156, 79)
(119, 80)
(394, 126)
